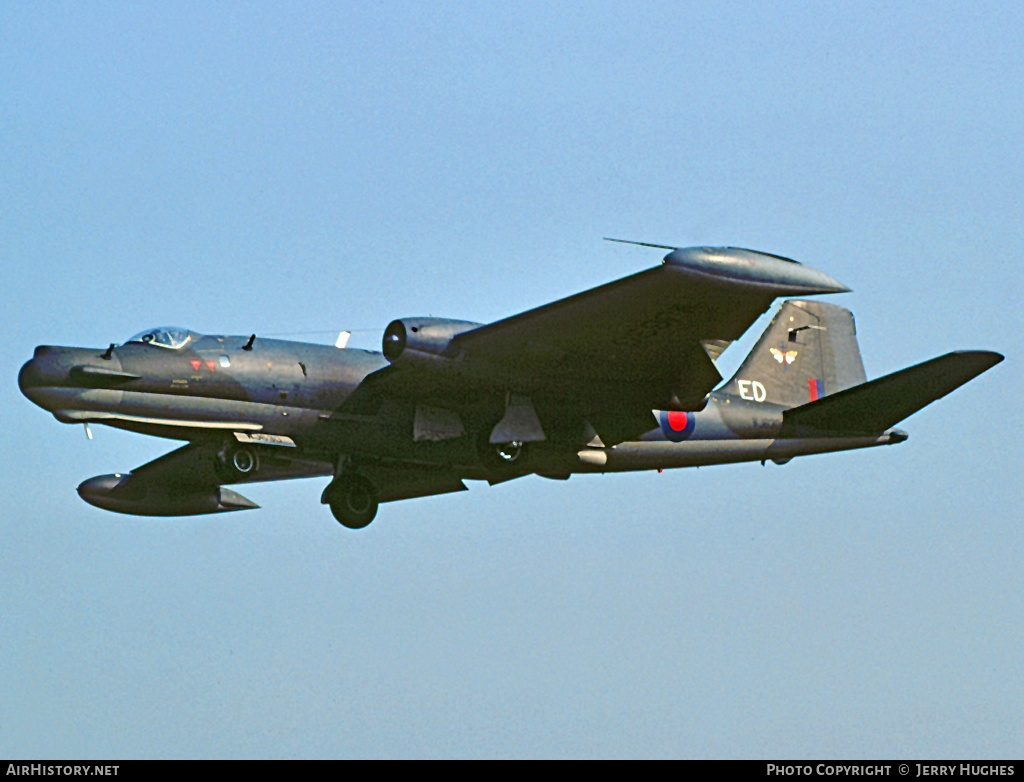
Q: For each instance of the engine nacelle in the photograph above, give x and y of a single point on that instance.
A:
(422, 339)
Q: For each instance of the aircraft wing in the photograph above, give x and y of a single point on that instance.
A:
(187, 482)
(194, 465)
(615, 352)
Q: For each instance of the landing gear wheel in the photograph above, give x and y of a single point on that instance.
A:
(501, 458)
(236, 463)
(509, 452)
(353, 501)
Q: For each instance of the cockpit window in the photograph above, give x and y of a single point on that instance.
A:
(165, 337)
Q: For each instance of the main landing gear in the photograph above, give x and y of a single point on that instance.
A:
(352, 499)
(501, 459)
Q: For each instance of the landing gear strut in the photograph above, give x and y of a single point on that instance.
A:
(352, 499)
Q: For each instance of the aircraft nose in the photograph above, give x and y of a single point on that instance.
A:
(34, 373)
(48, 368)
(59, 378)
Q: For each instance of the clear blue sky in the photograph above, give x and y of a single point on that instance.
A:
(295, 167)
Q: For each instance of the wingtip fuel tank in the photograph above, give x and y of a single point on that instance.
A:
(125, 494)
(749, 268)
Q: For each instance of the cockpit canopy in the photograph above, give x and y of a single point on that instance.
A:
(165, 336)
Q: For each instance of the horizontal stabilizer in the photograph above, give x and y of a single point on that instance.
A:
(877, 405)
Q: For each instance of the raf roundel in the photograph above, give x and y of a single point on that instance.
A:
(676, 425)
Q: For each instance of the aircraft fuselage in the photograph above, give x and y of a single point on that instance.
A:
(276, 393)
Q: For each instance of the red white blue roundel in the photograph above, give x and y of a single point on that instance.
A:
(677, 426)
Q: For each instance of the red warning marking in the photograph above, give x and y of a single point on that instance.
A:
(196, 363)
(211, 365)
(812, 386)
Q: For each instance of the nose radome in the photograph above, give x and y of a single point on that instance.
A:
(29, 376)
(49, 367)
(42, 369)
(32, 383)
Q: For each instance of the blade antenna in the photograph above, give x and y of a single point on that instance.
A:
(640, 244)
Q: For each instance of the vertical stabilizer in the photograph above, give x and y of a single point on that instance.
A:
(807, 352)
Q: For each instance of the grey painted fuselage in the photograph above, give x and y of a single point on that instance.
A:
(617, 378)
(214, 388)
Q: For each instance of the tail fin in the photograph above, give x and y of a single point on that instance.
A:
(807, 352)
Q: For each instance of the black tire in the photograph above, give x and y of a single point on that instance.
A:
(501, 458)
(353, 501)
(237, 463)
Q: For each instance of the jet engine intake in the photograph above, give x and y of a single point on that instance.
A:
(422, 339)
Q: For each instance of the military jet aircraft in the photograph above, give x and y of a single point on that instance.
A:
(619, 377)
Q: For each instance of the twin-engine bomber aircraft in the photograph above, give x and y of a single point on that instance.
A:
(565, 388)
